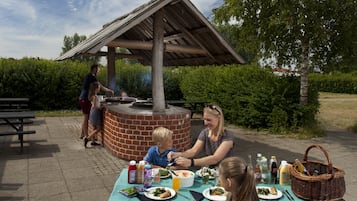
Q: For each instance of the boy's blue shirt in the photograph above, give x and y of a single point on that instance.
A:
(155, 158)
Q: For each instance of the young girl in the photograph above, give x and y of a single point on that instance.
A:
(238, 179)
(95, 115)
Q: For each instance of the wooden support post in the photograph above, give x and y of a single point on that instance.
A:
(111, 82)
(157, 63)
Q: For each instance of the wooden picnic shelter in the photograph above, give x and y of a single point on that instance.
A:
(159, 33)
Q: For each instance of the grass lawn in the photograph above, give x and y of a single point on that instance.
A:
(338, 110)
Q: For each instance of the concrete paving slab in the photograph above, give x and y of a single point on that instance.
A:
(56, 166)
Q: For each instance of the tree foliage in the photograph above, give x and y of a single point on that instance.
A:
(304, 34)
(70, 42)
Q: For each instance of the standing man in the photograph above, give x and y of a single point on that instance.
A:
(83, 98)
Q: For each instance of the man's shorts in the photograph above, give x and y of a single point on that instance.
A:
(85, 106)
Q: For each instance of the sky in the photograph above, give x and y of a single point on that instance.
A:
(36, 28)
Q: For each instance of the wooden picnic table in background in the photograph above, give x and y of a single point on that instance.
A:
(14, 114)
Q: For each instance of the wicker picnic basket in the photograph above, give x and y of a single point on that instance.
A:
(329, 184)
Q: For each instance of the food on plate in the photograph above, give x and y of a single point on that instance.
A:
(273, 190)
(162, 193)
(217, 191)
(209, 171)
(163, 172)
(165, 194)
(267, 190)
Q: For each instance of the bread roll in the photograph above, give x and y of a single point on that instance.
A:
(165, 194)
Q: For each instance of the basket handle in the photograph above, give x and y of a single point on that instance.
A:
(329, 164)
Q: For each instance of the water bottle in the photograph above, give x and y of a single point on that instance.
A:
(147, 176)
(264, 170)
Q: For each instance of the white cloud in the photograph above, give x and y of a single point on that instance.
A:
(36, 28)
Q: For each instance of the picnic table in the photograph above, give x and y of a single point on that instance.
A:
(14, 113)
(183, 193)
(195, 106)
(14, 104)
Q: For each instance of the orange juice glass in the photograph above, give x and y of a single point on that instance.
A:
(176, 182)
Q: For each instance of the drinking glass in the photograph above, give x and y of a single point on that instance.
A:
(156, 175)
(176, 183)
(205, 178)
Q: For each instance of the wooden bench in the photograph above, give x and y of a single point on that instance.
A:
(16, 120)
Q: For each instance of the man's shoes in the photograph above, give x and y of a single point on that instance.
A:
(85, 142)
(94, 144)
(81, 137)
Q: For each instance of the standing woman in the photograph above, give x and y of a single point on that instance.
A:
(236, 177)
(215, 141)
(83, 98)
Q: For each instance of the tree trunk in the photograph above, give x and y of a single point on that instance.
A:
(304, 70)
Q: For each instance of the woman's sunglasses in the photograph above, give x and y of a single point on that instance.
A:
(213, 107)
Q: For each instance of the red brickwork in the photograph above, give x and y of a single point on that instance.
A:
(128, 136)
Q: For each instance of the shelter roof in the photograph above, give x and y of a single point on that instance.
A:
(189, 38)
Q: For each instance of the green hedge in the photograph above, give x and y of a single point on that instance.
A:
(250, 96)
(49, 85)
(335, 82)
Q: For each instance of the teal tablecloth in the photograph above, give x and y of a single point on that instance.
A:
(122, 183)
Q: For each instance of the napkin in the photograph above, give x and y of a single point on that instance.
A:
(142, 197)
(198, 196)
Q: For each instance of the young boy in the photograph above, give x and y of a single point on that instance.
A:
(157, 155)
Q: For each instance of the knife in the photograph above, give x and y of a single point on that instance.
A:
(289, 195)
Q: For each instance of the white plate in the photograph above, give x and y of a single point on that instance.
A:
(214, 197)
(199, 173)
(149, 193)
(270, 196)
(162, 177)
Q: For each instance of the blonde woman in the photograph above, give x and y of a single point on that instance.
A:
(238, 179)
(215, 141)
(157, 155)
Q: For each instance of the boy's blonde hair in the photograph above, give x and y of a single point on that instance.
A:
(160, 134)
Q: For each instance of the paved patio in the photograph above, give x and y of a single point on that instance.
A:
(55, 165)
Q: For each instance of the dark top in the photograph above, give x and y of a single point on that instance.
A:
(210, 147)
(86, 83)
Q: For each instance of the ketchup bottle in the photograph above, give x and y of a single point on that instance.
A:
(132, 172)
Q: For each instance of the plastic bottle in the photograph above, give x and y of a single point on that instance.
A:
(284, 178)
(257, 174)
(140, 172)
(147, 176)
(273, 170)
(132, 172)
(263, 163)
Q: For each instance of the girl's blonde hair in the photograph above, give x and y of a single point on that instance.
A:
(216, 111)
(93, 90)
(160, 134)
(236, 169)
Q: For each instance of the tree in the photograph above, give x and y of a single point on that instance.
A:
(302, 34)
(70, 42)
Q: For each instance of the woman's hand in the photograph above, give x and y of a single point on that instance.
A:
(172, 155)
(184, 162)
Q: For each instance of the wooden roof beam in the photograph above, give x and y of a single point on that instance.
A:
(177, 24)
(143, 45)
